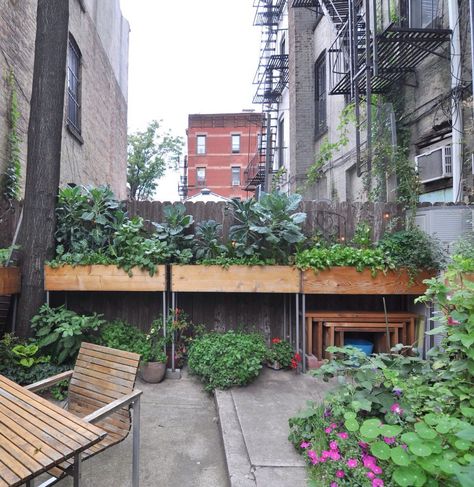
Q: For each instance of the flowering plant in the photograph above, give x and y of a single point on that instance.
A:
(157, 344)
(280, 351)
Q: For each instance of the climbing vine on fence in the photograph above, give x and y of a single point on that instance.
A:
(11, 179)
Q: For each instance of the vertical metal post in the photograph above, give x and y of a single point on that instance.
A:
(173, 307)
(368, 76)
(297, 315)
(290, 317)
(30, 483)
(268, 152)
(303, 329)
(47, 298)
(285, 318)
(164, 317)
(15, 309)
(77, 470)
(136, 444)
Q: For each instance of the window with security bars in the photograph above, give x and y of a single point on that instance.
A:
(200, 144)
(74, 85)
(321, 94)
(424, 14)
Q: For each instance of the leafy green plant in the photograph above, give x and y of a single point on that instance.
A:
(26, 355)
(269, 228)
(280, 351)
(208, 241)
(27, 375)
(124, 336)
(5, 254)
(173, 232)
(324, 256)
(59, 332)
(157, 342)
(224, 360)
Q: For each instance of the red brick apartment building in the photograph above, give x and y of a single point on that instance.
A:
(220, 148)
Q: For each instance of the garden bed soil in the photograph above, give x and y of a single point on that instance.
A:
(235, 279)
(347, 280)
(10, 280)
(103, 278)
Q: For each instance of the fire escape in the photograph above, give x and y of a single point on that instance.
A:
(270, 79)
(378, 42)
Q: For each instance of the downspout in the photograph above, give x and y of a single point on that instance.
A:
(471, 9)
(456, 108)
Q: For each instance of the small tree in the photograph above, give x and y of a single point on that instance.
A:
(150, 153)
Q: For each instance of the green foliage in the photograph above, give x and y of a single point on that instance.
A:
(174, 232)
(132, 246)
(87, 219)
(6, 253)
(59, 332)
(412, 249)
(280, 351)
(26, 355)
(123, 336)
(227, 261)
(269, 228)
(27, 375)
(10, 183)
(324, 256)
(224, 360)
(150, 152)
(208, 241)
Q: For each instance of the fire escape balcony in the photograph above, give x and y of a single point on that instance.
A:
(273, 79)
(268, 12)
(398, 50)
(255, 172)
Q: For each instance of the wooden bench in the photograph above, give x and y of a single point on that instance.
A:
(316, 319)
(101, 391)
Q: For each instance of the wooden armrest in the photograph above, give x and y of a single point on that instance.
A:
(50, 381)
(112, 407)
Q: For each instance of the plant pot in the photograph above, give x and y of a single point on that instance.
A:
(274, 365)
(152, 372)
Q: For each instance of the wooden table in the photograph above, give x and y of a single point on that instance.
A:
(36, 435)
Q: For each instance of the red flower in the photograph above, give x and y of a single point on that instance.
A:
(294, 363)
(452, 321)
(276, 340)
(297, 357)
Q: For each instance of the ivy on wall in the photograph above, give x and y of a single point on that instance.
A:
(10, 186)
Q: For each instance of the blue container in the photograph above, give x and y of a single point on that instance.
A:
(363, 345)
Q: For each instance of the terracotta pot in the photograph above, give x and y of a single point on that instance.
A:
(152, 372)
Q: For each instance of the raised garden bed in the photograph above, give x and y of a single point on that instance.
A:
(235, 279)
(103, 278)
(10, 280)
(347, 280)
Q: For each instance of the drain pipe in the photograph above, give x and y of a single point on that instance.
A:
(456, 108)
(471, 9)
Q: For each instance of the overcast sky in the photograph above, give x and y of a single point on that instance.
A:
(189, 56)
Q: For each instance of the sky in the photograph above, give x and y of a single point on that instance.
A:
(189, 56)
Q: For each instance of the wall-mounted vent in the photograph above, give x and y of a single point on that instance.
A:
(435, 164)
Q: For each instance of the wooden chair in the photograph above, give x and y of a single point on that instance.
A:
(101, 391)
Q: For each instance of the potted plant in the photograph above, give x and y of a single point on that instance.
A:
(154, 358)
(280, 354)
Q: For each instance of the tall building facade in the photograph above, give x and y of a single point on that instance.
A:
(94, 139)
(372, 84)
(221, 149)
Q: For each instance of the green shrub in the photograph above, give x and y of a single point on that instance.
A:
(59, 332)
(27, 375)
(123, 336)
(223, 360)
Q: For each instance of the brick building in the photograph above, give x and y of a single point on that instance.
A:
(94, 140)
(221, 147)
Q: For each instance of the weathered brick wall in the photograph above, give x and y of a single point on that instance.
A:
(103, 156)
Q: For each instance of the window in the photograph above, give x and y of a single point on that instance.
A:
(423, 13)
(283, 45)
(235, 176)
(200, 176)
(320, 91)
(281, 142)
(73, 86)
(200, 144)
(235, 143)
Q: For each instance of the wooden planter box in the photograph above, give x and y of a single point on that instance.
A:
(235, 279)
(102, 278)
(347, 280)
(10, 280)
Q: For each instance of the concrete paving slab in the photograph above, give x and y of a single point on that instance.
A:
(181, 444)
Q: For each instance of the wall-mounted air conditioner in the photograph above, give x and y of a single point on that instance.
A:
(435, 164)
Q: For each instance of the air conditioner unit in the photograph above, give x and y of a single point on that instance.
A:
(435, 164)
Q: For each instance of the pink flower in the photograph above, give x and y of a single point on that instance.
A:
(333, 426)
(313, 456)
(395, 408)
(369, 461)
(352, 463)
(340, 474)
(404, 446)
(327, 430)
(305, 444)
(363, 445)
(325, 454)
(343, 435)
(334, 484)
(334, 455)
(389, 441)
(377, 483)
(370, 475)
(376, 469)
(452, 321)
(333, 445)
